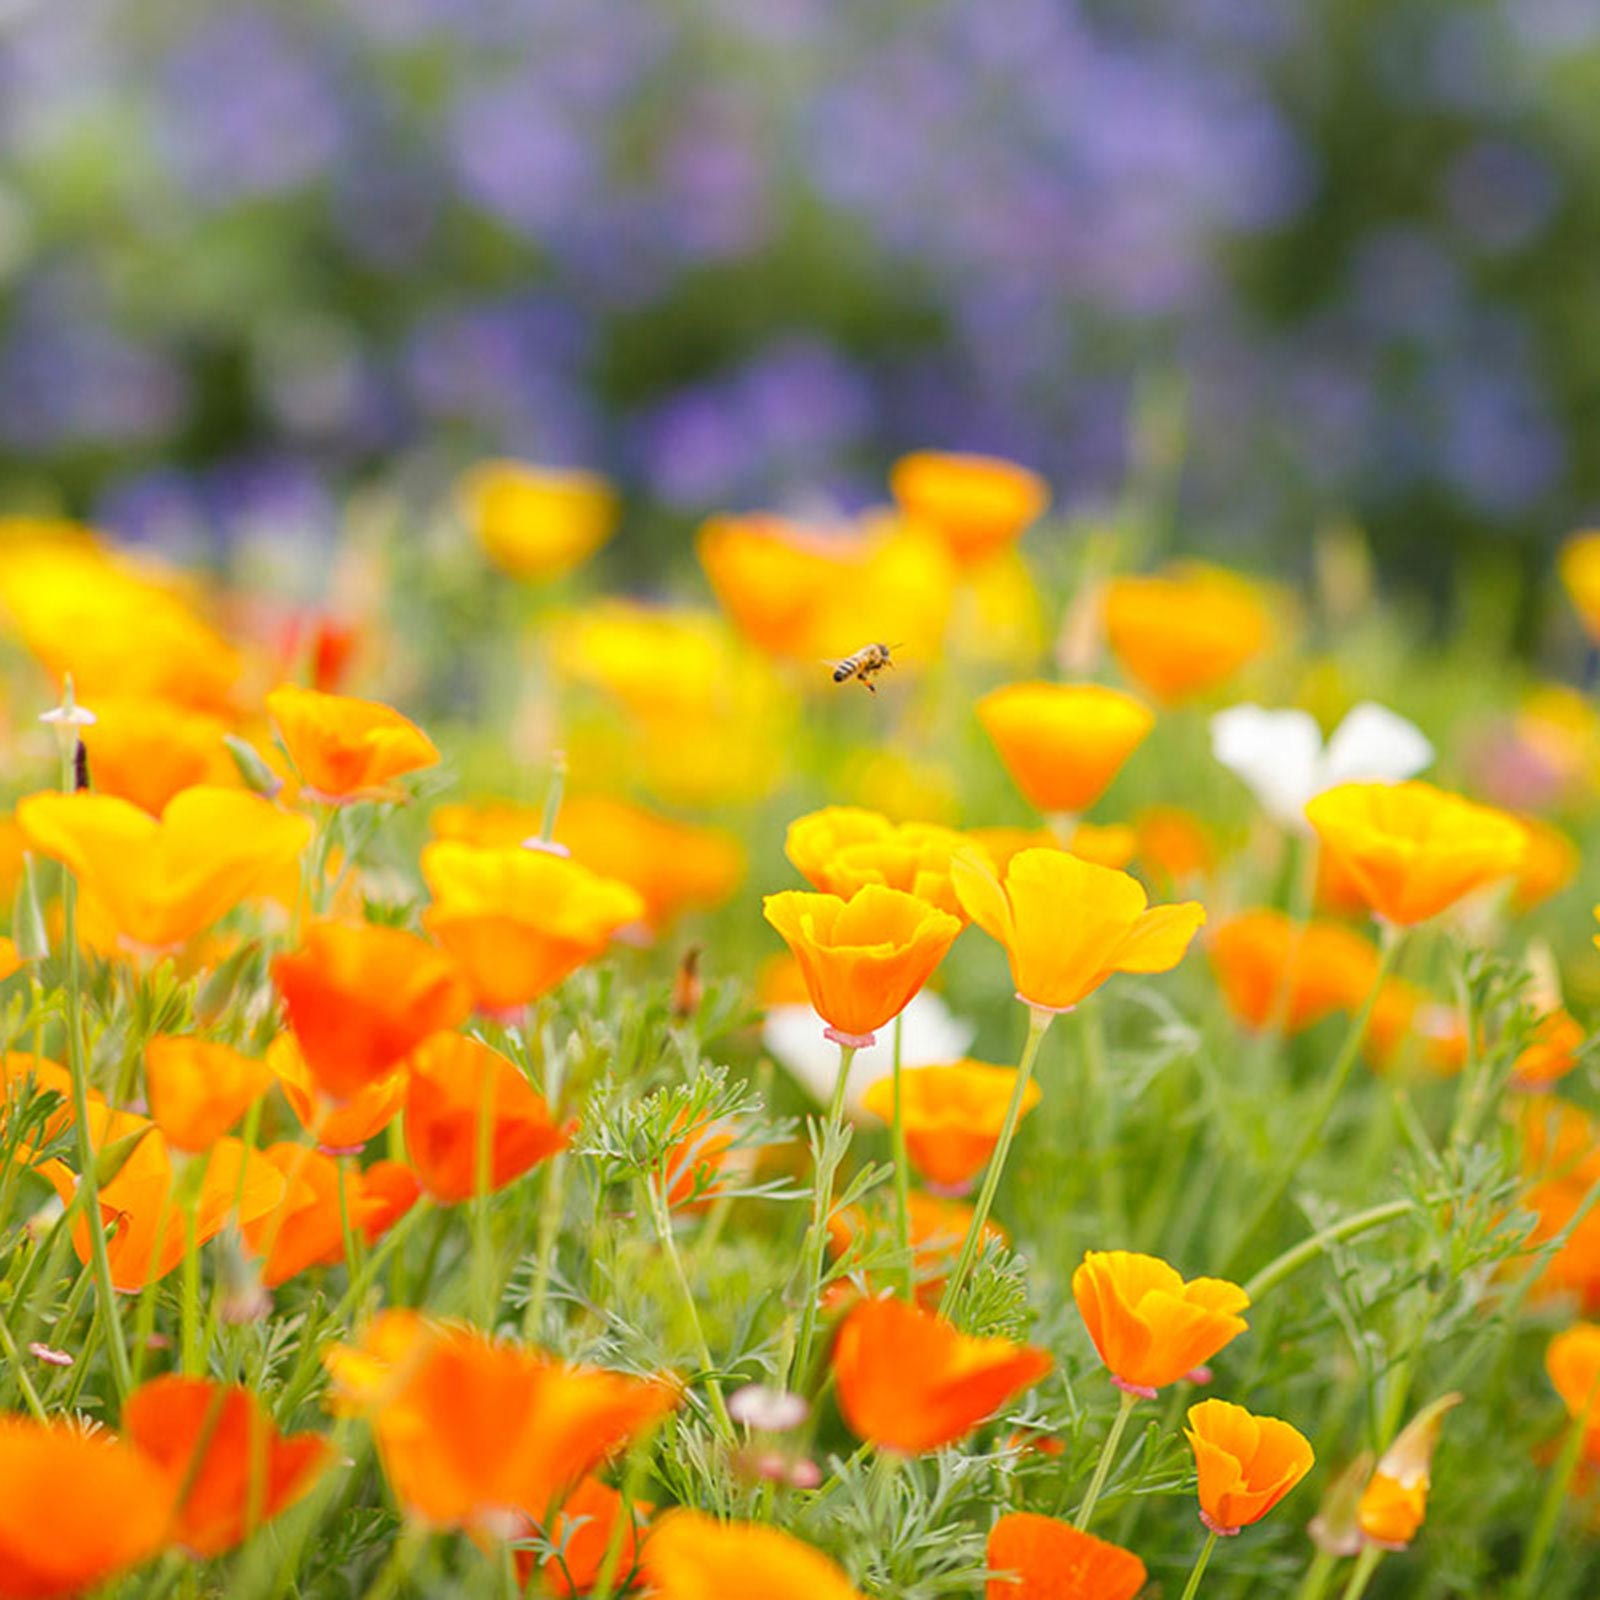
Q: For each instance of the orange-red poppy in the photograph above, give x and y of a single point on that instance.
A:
(1150, 1327)
(1247, 1464)
(952, 1115)
(910, 1381)
(840, 849)
(361, 997)
(1395, 1499)
(978, 505)
(219, 1445)
(582, 1533)
(865, 957)
(1041, 1558)
(455, 1084)
(198, 1089)
(341, 1126)
(1185, 631)
(691, 1556)
(1063, 743)
(535, 522)
(345, 749)
(1270, 967)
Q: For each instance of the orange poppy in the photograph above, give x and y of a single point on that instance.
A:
(339, 1128)
(1270, 966)
(220, 1445)
(938, 1226)
(537, 523)
(1063, 743)
(345, 749)
(840, 849)
(1041, 1558)
(454, 1084)
(1068, 925)
(1580, 573)
(978, 505)
(162, 882)
(1395, 1499)
(1185, 631)
(1412, 850)
(1573, 1363)
(1174, 843)
(361, 997)
(582, 1534)
(691, 1556)
(1247, 1464)
(910, 1381)
(520, 921)
(1549, 864)
(199, 1089)
(76, 1509)
(1403, 1012)
(1551, 1051)
(952, 1115)
(863, 958)
(148, 751)
(470, 1429)
(1150, 1327)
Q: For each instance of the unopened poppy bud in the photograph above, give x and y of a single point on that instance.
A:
(111, 1158)
(1336, 1529)
(252, 767)
(1396, 1499)
(27, 918)
(686, 986)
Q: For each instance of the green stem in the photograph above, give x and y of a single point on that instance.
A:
(1192, 1587)
(902, 1176)
(1361, 1576)
(31, 1395)
(1108, 1453)
(1556, 1490)
(662, 1215)
(485, 1292)
(1297, 1256)
(1101, 1097)
(1039, 1021)
(551, 1203)
(1318, 1576)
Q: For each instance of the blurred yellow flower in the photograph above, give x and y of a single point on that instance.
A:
(1185, 631)
(537, 522)
(148, 750)
(1580, 573)
(978, 505)
(1063, 743)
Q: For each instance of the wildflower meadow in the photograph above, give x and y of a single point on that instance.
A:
(941, 1053)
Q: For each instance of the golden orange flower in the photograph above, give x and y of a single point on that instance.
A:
(1002, 843)
(148, 751)
(219, 1445)
(952, 1115)
(582, 1533)
(691, 1556)
(537, 522)
(10, 961)
(1068, 925)
(1041, 1558)
(520, 921)
(1412, 850)
(454, 1085)
(1063, 743)
(1580, 573)
(1573, 1363)
(863, 958)
(1551, 1051)
(840, 849)
(978, 505)
(1548, 865)
(345, 749)
(1174, 843)
(910, 1381)
(1404, 1012)
(1150, 1327)
(1395, 1499)
(1247, 1464)
(162, 882)
(199, 1089)
(76, 1509)
(1112, 844)
(1185, 631)
(938, 1226)
(1269, 967)
(361, 997)
(345, 1125)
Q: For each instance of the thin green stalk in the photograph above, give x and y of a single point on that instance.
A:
(1108, 1454)
(1361, 1576)
(1192, 1587)
(551, 1204)
(485, 1292)
(1039, 1022)
(902, 1175)
(1297, 1256)
(189, 1326)
(30, 1395)
(1103, 1100)
(662, 1215)
(1556, 1490)
(1319, 1575)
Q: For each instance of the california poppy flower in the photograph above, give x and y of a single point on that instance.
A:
(10, 960)
(1174, 844)
(863, 958)
(910, 1381)
(453, 1084)
(691, 1556)
(1247, 1464)
(537, 523)
(1396, 1497)
(1184, 631)
(1063, 743)
(840, 849)
(1270, 966)
(361, 997)
(337, 1126)
(162, 882)
(1412, 850)
(1573, 1363)
(1403, 1013)
(1551, 1051)
(76, 1509)
(1150, 1327)
(978, 505)
(1068, 925)
(520, 921)
(1041, 1558)
(345, 749)
(1580, 573)
(952, 1115)
(1549, 863)
(148, 750)
(582, 1533)
(219, 1444)
(198, 1089)
(938, 1226)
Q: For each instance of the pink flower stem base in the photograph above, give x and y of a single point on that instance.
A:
(1213, 1526)
(850, 1041)
(1139, 1391)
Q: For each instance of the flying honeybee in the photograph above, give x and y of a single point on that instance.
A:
(864, 666)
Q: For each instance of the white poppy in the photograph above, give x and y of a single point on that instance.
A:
(930, 1037)
(1281, 757)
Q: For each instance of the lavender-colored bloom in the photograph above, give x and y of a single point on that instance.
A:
(1501, 195)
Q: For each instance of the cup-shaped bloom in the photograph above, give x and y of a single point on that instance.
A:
(1150, 1327)
(1580, 575)
(1174, 844)
(339, 1126)
(1042, 1558)
(910, 1381)
(1063, 743)
(536, 522)
(361, 997)
(1395, 1499)
(346, 749)
(198, 1089)
(582, 1533)
(1247, 1464)
(520, 921)
(456, 1084)
(1269, 967)
(1410, 850)
(978, 505)
(1549, 864)
(690, 1556)
(952, 1116)
(1573, 1363)
(1067, 925)
(1185, 631)
(862, 958)
(162, 882)
(219, 1444)
(148, 750)
(840, 849)
(76, 1509)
